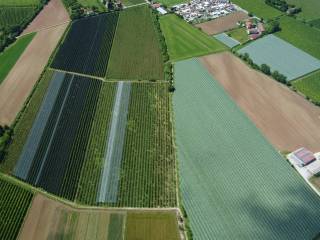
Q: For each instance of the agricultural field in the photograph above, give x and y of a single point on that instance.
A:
(14, 204)
(136, 53)
(20, 81)
(171, 3)
(87, 46)
(10, 56)
(310, 9)
(281, 56)
(239, 34)
(258, 8)
(272, 106)
(309, 86)
(315, 23)
(223, 23)
(226, 181)
(226, 40)
(50, 219)
(185, 41)
(132, 2)
(14, 16)
(92, 3)
(300, 35)
(19, 2)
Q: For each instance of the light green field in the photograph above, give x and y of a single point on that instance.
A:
(170, 3)
(132, 2)
(300, 35)
(310, 9)
(91, 3)
(185, 41)
(18, 2)
(136, 54)
(239, 34)
(11, 54)
(309, 86)
(258, 8)
(234, 184)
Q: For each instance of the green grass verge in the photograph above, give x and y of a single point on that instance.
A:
(185, 41)
(258, 8)
(300, 35)
(310, 9)
(11, 54)
(23, 126)
(152, 225)
(136, 53)
(239, 34)
(309, 86)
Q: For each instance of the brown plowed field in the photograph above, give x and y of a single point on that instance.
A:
(222, 24)
(17, 86)
(286, 119)
(53, 14)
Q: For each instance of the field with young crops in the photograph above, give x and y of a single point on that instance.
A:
(226, 181)
(14, 204)
(87, 46)
(185, 41)
(309, 86)
(10, 56)
(14, 16)
(19, 2)
(136, 53)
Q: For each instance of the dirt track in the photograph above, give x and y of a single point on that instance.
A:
(285, 118)
(222, 24)
(53, 14)
(18, 84)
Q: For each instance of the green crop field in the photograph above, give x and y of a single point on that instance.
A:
(239, 34)
(136, 50)
(23, 126)
(11, 55)
(300, 35)
(185, 41)
(234, 184)
(132, 2)
(19, 2)
(258, 8)
(309, 86)
(170, 3)
(92, 3)
(14, 204)
(152, 225)
(13, 16)
(310, 8)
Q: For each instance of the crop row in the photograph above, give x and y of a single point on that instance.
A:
(12, 16)
(14, 204)
(87, 46)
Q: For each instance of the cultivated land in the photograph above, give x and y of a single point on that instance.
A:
(286, 119)
(310, 9)
(13, 16)
(136, 53)
(27, 70)
(309, 86)
(86, 48)
(259, 8)
(132, 2)
(53, 14)
(11, 54)
(281, 56)
(91, 3)
(185, 41)
(226, 40)
(240, 34)
(300, 35)
(50, 219)
(18, 2)
(222, 24)
(14, 204)
(234, 184)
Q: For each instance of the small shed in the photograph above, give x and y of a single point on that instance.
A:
(304, 156)
(162, 10)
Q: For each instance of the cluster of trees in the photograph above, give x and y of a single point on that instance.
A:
(168, 67)
(75, 8)
(272, 26)
(113, 5)
(264, 68)
(283, 6)
(5, 139)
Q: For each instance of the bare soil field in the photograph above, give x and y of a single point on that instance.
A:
(17, 86)
(286, 119)
(222, 24)
(53, 14)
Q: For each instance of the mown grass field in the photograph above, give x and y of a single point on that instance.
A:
(18, 2)
(92, 3)
(310, 9)
(230, 175)
(185, 41)
(170, 3)
(258, 8)
(315, 23)
(132, 2)
(136, 53)
(239, 34)
(309, 86)
(300, 35)
(10, 56)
